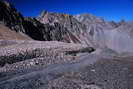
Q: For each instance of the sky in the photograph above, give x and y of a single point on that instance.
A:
(107, 9)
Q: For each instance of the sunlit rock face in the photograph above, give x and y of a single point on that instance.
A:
(72, 25)
(66, 20)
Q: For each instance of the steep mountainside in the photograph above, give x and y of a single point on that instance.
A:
(47, 32)
(74, 27)
(66, 20)
(11, 17)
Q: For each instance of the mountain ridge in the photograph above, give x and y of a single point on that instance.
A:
(84, 28)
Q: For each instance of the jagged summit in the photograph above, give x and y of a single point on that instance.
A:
(52, 17)
(43, 13)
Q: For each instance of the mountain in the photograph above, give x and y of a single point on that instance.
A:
(62, 51)
(104, 34)
(66, 20)
(48, 32)
(85, 29)
(11, 18)
(74, 27)
(34, 28)
(89, 20)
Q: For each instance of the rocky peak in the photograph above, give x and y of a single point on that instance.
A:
(88, 18)
(43, 13)
(51, 17)
(66, 20)
(122, 22)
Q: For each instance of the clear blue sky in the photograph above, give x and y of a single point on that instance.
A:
(108, 9)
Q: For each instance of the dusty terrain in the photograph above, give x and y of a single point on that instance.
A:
(45, 65)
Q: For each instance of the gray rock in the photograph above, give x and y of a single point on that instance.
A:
(92, 71)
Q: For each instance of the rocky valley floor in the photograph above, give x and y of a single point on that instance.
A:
(58, 65)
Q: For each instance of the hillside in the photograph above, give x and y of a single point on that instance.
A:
(7, 34)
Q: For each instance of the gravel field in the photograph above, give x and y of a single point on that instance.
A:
(45, 65)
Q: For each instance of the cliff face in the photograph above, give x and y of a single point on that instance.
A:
(48, 32)
(66, 20)
(71, 24)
